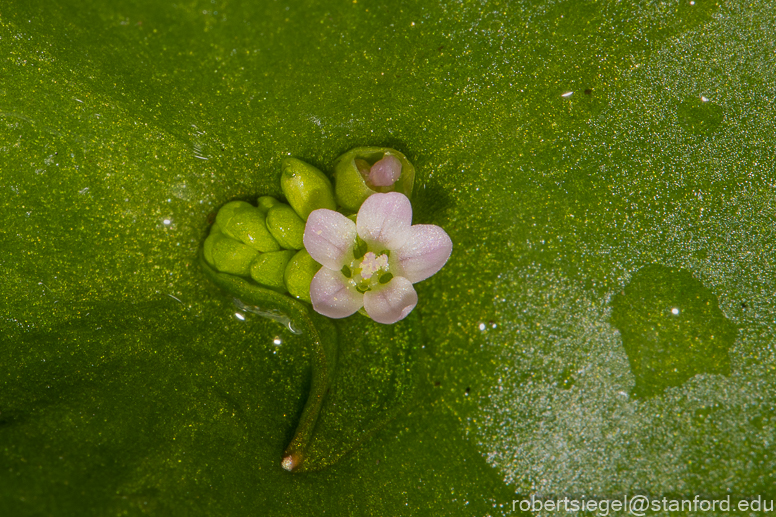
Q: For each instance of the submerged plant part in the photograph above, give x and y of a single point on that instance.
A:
(373, 262)
(299, 319)
(256, 254)
(268, 257)
(364, 171)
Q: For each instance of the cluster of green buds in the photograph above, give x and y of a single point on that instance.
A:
(265, 242)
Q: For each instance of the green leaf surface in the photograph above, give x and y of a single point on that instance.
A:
(596, 164)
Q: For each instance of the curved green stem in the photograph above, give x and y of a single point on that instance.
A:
(322, 336)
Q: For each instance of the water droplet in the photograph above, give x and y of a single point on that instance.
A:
(666, 345)
(271, 314)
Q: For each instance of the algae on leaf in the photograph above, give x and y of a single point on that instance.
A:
(130, 387)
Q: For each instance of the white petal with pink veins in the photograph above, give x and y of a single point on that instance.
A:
(385, 172)
(391, 302)
(384, 220)
(329, 238)
(332, 296)
(427, 249)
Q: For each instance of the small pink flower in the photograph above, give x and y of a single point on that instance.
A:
(385, 172)
(379, 276)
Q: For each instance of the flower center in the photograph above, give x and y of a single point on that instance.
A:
(366, 272)
(372, 264)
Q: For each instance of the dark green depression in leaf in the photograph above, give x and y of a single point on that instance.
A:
(699, 115)
(672, 329)
(118, 116)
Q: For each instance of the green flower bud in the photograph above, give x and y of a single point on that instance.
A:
(265, 203)
(207, 248)
(269, 269)
(229, 255)
(305, 187)
(299, 273)
(226, 212)
(352, 176)
(285, 226)
(245, 223)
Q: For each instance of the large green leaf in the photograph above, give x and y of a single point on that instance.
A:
(596, 164)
